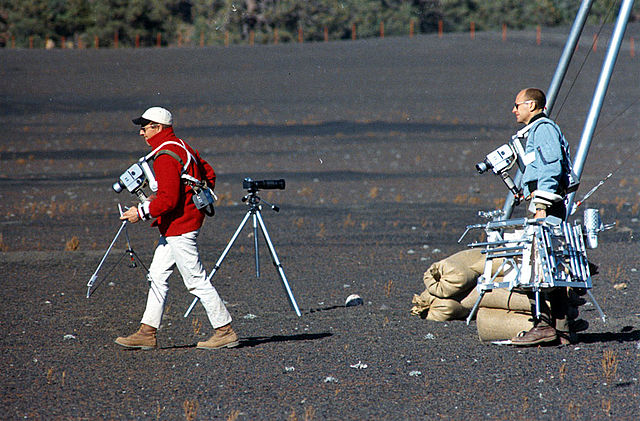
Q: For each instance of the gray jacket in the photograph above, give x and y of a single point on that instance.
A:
(548, 150)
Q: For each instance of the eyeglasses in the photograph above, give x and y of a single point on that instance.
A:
(150, 126)
(517, 104)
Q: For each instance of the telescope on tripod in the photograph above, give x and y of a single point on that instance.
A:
(254, 202)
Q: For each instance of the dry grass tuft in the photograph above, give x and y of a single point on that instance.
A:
(606, 407)
(387, 288)
(190, 409)
(574, 411)
(72, 245)
(348, 222)
(609, 364)
(233, 416)
(197, 325)
(309, 413)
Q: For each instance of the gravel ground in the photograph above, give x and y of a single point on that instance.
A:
(377, 141)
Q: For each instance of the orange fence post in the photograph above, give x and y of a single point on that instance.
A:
(137, 40)
(440, 28)
(96, 42)
(226, 38)
(326, 34)
(275, 36)
(300, 39)
(252, 36)
(411, 24)
(353, 31)
(159, 40)
(504, 32)
(202, 39)
(31, 42)
(115, 39)
(538, 35)
(595, 42)
(179, 39)
(381, 29)
(632, 47)
(472, 29)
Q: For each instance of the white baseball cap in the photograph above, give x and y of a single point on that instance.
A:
(155, 115)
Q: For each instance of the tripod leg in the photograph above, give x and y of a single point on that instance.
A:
(277, 264)
(255, 244)
(94, 277)
(222, 256)
(475, 306)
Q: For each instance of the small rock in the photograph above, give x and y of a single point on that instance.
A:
(415, 373)
(620, 286)
(359, 365)
(353, 300)
(330, 379)
(249, 316)
(69, 337)
(429, 336)
(289, 369)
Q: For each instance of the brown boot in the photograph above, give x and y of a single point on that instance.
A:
(224, 337)
(536, 336)
(144, 338)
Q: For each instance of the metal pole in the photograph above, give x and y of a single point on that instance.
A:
(556, 82)
(567, 53)
(600, 92)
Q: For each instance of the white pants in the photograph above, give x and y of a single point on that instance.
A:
(181, 251)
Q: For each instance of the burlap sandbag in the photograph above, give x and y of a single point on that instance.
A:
(437, 309)
(422, 304)
(499, 298)
(456, 275)
(496, 324)
(443, 309)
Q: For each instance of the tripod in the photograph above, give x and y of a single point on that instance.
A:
(253, 201)
(91, 285)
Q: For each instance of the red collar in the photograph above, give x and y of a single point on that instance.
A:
(164, 135)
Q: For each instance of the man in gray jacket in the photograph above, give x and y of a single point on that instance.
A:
(544, 182)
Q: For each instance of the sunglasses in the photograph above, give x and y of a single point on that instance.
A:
(517, 104)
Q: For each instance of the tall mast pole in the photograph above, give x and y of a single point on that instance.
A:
(600, 92)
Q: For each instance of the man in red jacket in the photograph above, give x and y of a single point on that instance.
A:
(179, 222)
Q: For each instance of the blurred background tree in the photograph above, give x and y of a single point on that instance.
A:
(212, 21)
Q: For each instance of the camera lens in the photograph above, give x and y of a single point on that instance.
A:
(482, 167)
(117, 187)
(271, 184)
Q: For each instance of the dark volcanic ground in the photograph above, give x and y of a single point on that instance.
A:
(377, 141)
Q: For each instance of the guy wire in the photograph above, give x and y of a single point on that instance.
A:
(584, 61)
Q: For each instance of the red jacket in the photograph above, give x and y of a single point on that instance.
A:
(173, 205)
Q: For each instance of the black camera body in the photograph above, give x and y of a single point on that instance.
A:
(255, 185)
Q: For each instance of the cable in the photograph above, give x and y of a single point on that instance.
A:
(610, 9)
